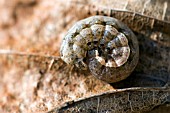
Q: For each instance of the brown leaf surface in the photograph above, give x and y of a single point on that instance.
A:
(39, 82)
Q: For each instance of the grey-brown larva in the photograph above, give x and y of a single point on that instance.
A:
(103, 45)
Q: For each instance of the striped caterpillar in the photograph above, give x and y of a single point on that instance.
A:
(103, 45)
